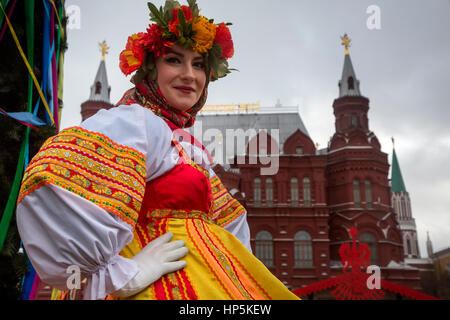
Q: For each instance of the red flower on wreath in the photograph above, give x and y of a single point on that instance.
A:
(175, 22)
(139, 44)
(223, 39)
(133, 56)
(154, 41)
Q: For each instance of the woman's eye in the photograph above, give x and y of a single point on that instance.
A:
(172, 60)
(199, 65)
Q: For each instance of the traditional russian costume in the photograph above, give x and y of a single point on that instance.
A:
(96, 194)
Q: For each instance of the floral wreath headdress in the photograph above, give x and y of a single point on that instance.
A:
(182, 25)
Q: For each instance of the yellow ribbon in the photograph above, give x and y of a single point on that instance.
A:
(36, 83)
(57, 16)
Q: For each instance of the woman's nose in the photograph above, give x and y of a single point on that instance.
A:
(188, 72)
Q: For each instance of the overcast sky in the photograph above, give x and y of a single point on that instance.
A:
(291, 50)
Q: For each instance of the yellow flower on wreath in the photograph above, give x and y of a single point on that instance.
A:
(205, 33)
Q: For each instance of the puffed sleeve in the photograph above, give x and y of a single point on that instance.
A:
(81, 195)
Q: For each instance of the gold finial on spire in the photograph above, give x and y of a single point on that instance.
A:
(104, 48)
(346, 42)
(393, 144)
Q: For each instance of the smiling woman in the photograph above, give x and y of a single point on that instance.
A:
(181, 77)
(110, 195)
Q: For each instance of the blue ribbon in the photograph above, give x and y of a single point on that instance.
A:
(46, 55)
(28, 281)
(26, 117)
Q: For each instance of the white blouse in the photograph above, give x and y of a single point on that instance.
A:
(60, 229)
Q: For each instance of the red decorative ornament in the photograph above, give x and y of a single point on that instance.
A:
(352, 285)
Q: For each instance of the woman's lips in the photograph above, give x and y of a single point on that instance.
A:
(185, 90)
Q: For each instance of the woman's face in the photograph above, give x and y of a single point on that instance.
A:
(181, 77)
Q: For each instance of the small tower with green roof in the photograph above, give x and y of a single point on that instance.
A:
(401, 203)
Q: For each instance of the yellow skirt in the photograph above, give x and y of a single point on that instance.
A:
(219, 266)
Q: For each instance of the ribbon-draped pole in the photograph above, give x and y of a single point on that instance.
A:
(30, 70)
(51, 83)
(10, 205)
(30, 280)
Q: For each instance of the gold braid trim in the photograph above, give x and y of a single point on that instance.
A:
(93, 167)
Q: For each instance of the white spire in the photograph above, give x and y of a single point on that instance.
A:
(349, 84)
(100, 89)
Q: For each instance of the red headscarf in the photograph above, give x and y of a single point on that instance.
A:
(147, 94)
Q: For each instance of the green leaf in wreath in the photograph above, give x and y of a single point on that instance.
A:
(154, 74)
(157, 15)
(189, 43)
(194, 7)
(169, 6)
(138, 76)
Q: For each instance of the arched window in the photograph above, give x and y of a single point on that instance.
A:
(403, 210)
(264, 248)
(98, 87)
(306, 192)
(354, 121)
(303, 250)
(368, 187)
(351, 83)
(408, 246)
(370, 239)
(294, 192)
(269, 191)
(356, 194)
(257, 191)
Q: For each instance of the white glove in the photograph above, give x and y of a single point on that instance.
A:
(156, 259)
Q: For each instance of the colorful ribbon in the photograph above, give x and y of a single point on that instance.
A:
(52, 59)
(50, 81)
(26, 118)
(30, 70)
(11, 10)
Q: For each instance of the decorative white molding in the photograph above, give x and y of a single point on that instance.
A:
(351, 147)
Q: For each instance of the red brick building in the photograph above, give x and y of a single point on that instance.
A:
(301, 215)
